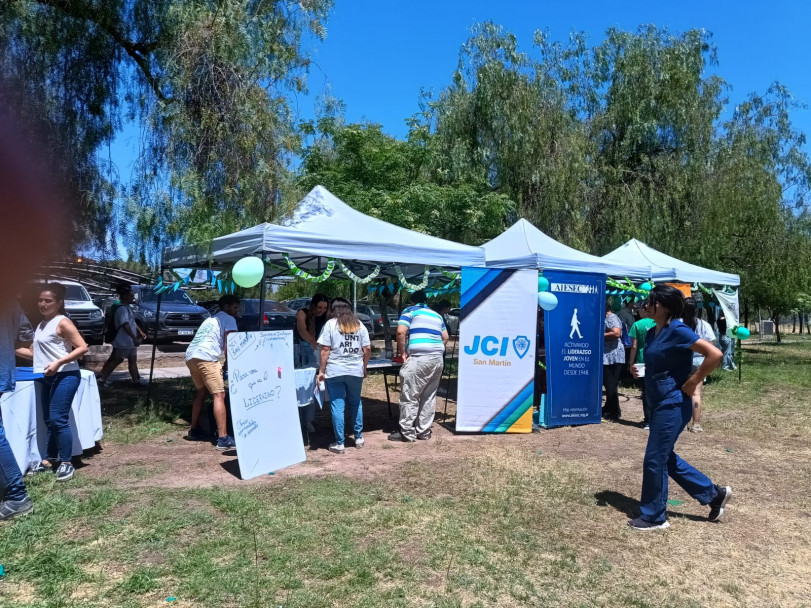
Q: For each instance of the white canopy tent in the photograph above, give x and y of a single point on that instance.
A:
(323, 226)
(524, 246)
(668, 268)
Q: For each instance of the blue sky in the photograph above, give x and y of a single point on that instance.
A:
(379, 54)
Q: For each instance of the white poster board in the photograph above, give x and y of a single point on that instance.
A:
(497, 350)
(262, 388)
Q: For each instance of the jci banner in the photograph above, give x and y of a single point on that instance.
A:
(497, 350)
(574, 348)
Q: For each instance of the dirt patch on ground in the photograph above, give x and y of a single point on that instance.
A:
(194, 464)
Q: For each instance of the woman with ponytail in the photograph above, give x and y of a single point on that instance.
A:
(670, 383)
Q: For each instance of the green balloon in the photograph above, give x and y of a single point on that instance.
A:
(543, 283)
(247, 272)
(742, 333)
(646, 287)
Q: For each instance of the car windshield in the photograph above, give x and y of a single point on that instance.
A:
(299, 303)
(250, 307)
(76, 292)
(177, 297)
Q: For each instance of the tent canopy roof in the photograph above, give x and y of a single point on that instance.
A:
(668, 268)
(323, 226)
(524, 246)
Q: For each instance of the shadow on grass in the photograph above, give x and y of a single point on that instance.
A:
(624, 422)
(630, 506)
(622, 503)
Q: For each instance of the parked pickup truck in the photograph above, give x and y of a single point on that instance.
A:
(179, 316)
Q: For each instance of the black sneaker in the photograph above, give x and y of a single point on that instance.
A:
(644, 526)
(13, 508)
(64, 472)
(198, 435)
(719, 502)
(37, 468)
(398, 436)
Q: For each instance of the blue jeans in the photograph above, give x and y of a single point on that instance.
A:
(727, 345)
(57, 397)
(667, 422)
(11, 479)
(343, 390)
(307, 356)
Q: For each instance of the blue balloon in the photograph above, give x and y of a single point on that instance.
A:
(646, 286)
(543, 283)
(547, 301)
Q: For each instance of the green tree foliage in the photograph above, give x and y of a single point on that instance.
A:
(393, 181)
(206, 82)
(624, 139)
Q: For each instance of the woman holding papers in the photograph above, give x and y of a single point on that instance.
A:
(345, 352)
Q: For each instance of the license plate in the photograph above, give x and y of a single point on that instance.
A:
(185, 332)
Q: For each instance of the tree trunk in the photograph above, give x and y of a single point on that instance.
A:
(776, 320)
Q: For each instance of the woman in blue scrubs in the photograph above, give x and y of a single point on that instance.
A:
(669, 383)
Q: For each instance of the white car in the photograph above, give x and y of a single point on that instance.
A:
(79, 307)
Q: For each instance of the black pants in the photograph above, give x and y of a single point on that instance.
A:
(646, 410)
(611, 379)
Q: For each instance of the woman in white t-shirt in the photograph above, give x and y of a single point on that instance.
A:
(345, 352)
(692, 319)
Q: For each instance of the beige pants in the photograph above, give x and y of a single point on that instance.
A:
(421, 375)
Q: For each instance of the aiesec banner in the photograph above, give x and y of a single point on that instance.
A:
(497, 350)
(574, 348)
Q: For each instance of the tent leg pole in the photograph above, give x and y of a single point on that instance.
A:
(262, 296)
(448, 382)
(154, 346)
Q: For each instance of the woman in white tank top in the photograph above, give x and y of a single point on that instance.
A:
(57, 346)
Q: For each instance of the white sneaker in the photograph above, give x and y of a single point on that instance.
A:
(337, 448)
(359, 441)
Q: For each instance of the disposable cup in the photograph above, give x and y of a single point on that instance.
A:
(322, 386)
(640, 369)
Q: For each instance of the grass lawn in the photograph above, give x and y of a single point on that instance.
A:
(530, 520)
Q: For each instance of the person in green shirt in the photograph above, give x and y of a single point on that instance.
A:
(638, 333)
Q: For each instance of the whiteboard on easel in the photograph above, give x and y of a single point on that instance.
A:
(264, 409)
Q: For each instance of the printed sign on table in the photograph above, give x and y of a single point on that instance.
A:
(497, 350)
(574, 348)
(262, 388)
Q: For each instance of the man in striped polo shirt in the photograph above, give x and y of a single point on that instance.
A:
(422, 368)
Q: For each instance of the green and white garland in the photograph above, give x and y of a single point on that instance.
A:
(307, 276)
(368, 279)
(410, 286)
